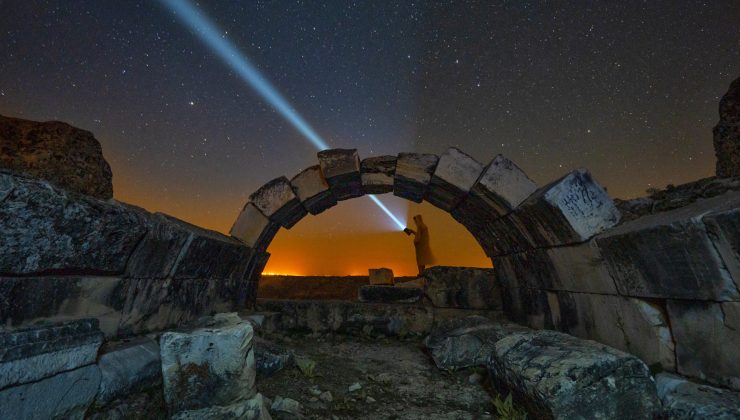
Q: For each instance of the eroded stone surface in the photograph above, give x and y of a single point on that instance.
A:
(313, 191)
(462, 287)
(413, 174)
(453, 177)
(251, 409)
(688, 400)
(377, 174)
(208, 367)
(554, 375)
(341, 168)
(727, 133)
(67, 156)
(278, 202)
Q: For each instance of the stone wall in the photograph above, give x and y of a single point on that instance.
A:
(65, 256)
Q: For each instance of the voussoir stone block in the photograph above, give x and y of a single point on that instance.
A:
(341, 168)
(313, 190)
(557, 376)
(454, 176)
(500, 188)
(413, 175)
(31, 354)
(46, 230)
(707, 336)
(687, 253)
(208, 367)
(278, 202)
(254, 228)
(377, 174)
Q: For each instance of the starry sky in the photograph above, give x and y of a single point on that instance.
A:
(627, 89)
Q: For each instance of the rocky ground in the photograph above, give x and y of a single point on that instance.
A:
(374, 378)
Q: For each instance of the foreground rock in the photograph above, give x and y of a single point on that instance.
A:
(557, 376)
(251, 409)
(271, 358)
(208, 367)
(687, 400)
(727, 133)
(131, 368)
(67, 156)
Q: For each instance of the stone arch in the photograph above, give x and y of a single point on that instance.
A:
(497, 202)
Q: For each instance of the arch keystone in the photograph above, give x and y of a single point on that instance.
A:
(341, 168)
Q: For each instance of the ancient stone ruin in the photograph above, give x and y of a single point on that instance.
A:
(593, 308)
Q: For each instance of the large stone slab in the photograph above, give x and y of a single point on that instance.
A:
(28, 355)
(63, 396)
(67, 156)
(278, 202)
(500, 188)
(413, 175)
(707, 336)
(389, 294)
(208, 367)
(727, 133)
(454, 176)
(676, 254)
(254, 228)
(128, 369)
(46, 230)
(688, 400)
(313, 191)
(159, 250)
(377, 174)
(554, 375)
(341, 168)
(462, 287)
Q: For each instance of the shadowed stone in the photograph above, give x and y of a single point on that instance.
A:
(254, 228)
(159, 250)
(130, 368)
(278, 202)
(500, 188)
(557, 376)
(270, 357)
(66, 156)
(687, 253)
(380, 276)
(63, 396)
(251, 409)
(313, 191)
(341, 168)
(413, 175)
(31, 354)
(462, 287)
(727, 133)
(688, 400)
(389, 294)
(377, 174)
(454, 176)
(707, 336)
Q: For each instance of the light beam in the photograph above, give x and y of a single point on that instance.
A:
(210, 35)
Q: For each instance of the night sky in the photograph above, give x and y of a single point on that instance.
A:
(627, 89)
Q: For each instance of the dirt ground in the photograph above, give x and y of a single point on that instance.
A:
(397, 380)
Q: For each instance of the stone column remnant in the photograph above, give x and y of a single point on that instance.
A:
(413, 175)
(341, 168)
(454, 176)
(313, 190)
(278, 202)
(377, 174)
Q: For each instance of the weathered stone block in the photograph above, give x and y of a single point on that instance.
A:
(454, 176)
(462, 287)
(31, 354)
(413, 174)
(67, 156)
(45, 230)
(207, 367)
(313, 191)
(251, 409)
(554, 375)
(159, 250)
(63, 396)
(270, 357)
(727, 133)
(128, 369)
(278, 202)
(254, 228)
(377, 174)
(388, 294)
(500, 188)
(381, 276)
(674, 254)
(687, 400)
(707, 336)
(341, 168)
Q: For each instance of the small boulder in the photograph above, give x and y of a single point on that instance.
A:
(381, 276)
